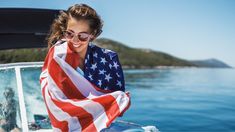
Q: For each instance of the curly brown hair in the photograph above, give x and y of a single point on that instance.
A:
(79, 12)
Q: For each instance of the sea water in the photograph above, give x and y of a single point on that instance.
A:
(181, 99)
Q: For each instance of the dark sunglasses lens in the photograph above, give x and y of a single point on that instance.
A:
(68, 35)
(83, 37)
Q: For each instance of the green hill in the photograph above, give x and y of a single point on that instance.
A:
(141, 58)
(129, 57)
(22, 55)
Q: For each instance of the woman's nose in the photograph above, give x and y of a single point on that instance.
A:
(75, 39)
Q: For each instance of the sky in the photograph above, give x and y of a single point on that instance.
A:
(188, 29)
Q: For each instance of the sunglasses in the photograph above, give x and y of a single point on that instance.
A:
(82, 36)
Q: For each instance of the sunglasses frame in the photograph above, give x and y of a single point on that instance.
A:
(78, 35)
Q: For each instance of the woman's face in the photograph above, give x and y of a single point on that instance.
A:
(78, 34)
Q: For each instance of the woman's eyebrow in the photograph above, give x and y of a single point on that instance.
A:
(71, 30)
(79, 32)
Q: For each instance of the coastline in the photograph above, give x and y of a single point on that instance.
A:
(125, 67)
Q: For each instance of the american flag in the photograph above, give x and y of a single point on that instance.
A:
(82, 103)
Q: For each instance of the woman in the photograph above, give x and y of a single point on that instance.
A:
(82, 84)
(79, 26)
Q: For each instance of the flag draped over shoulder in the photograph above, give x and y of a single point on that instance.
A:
(73, 103)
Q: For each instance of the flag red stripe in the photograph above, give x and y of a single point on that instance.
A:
(110, 105)
(63, 82)
(83, 116)
(48, 58)
(70, 58)
(62, 125)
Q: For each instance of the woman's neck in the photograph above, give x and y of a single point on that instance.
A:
(82, 56)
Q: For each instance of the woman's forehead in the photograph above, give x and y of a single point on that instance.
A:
(78, 25)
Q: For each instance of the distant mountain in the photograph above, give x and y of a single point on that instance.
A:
(129, 57)
(210, 63)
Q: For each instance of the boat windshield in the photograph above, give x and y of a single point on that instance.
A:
(22, 105)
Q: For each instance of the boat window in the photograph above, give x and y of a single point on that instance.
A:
(35, 108)
(9, 105)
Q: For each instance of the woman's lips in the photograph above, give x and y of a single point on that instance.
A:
(76, 45)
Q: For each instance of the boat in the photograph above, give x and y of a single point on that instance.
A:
(22, 103)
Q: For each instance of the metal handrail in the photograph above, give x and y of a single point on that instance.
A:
(21, 65)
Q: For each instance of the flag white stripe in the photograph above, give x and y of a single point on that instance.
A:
(59, 114)
(44, 73)
(43, 82)
(122, 99)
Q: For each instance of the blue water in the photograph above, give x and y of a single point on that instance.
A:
(183, 99)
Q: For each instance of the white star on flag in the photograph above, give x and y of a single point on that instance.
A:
(93, 67)
(106, 50)
(95, 55)
(110, 66)
(103, 50)
(111, 57)
(107, 77)
(102, 71)
(117, 75)
(119, 83)
(103, 60)
(99, 83)
(115, 65)
(90, 76)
